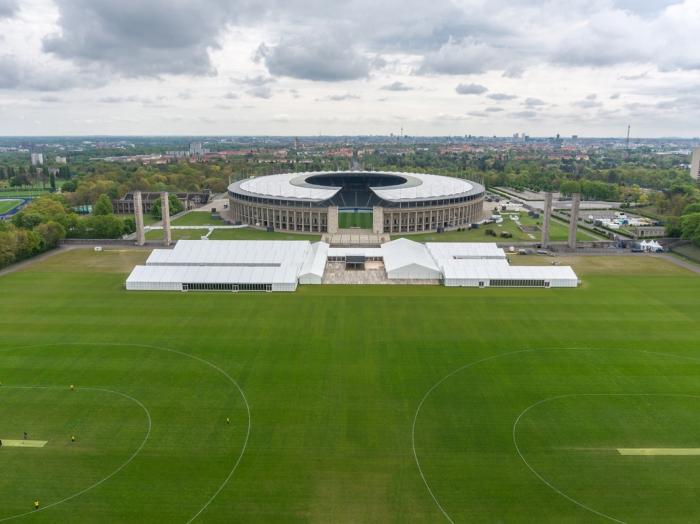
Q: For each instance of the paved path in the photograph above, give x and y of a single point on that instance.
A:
(690, 266)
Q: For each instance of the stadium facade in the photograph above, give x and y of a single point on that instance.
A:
(399, 202)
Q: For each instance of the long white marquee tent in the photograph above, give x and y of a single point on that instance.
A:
(262, 265)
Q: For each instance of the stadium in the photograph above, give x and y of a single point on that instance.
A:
(386, 202)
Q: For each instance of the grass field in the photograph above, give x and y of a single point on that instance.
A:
(197, 218)
(366, 404)
(7, 205)
(558, 231)
(249, 233)
(177, 234)
(348, 219)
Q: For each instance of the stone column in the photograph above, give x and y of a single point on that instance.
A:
(138, 217)
(165, 213)
(332, 226)
(546, 219)
(573, 219)
(378, 220)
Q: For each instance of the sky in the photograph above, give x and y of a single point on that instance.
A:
(310, 67)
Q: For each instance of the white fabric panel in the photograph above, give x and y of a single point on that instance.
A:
(280, 186)
(315, 264)
(431, 186)
(406, 259)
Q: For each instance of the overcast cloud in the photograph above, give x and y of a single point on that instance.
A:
(586, 67)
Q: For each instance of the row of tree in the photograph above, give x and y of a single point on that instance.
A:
(43, 223)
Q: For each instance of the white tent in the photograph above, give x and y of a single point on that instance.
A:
(315, 264)
(406, 259)
(222, 265)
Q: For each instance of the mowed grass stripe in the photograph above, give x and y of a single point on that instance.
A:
(333, 376)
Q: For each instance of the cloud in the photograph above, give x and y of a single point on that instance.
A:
(260, 92)
(397, 86)
(231, 96)
(515, 71)
(502, 96)
(136, 38)
(460, 57)
(50, 99)
(534, 102)
(115, 99)
(470, 89)
(590, 102)
(258, 86)
(494, 109)
(524, 114)
(15, 74)
(340, 98)
(314, 57)
(8, 8)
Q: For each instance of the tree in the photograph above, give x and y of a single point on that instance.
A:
(175, 206)
(51, 234)
(690, 228)
(103, 206)
(691, 208)
(52, 181)
(8, 245)
(104, 226)
(28, 244)
(569, 187)
(42, 209)
(68, 187)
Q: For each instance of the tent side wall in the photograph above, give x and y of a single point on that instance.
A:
(413, 272)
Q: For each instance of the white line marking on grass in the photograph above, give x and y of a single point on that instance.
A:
(559, 397)
(105, 479)
(182, 353)
(660, 452)
(21, 443)
(420, 405)
(493, 357)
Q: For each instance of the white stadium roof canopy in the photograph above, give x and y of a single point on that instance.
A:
(430, 186)
(280, 186)
(418, 186)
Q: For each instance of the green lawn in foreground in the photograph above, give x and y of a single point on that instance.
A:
(197, 218)
(7, 205)
(558, 231)
(333, 376)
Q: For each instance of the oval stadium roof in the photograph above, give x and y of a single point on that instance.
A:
(416, 186)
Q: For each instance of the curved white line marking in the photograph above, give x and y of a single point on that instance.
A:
(486, 359)
(558, 397)
(105, 479)
(182, 353)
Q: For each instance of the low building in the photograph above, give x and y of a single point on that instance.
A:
(260, 265)
(648, 231)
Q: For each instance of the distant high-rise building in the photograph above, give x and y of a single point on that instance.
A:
(695, 164)
(37, 159)
(196, 149)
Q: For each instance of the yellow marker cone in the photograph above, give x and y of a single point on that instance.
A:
(72, 387)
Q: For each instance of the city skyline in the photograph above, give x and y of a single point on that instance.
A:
(79, 67)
